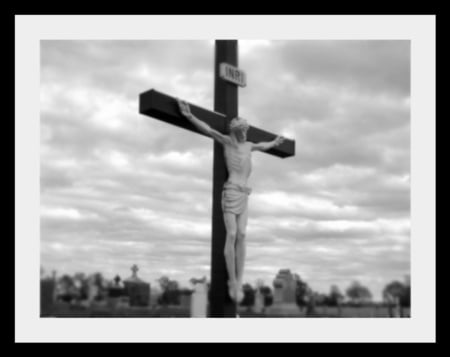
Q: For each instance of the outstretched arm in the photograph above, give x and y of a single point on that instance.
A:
(200, 125)
(263, 146)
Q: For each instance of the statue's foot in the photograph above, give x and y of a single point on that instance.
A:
(231, 289)
(239, 292)
(239, 296)
(235, 292)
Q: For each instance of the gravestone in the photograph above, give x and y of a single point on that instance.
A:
(47, 295)
(284, 299)
(92, 291)
(115, 293)
(199, 301)
(277, 292)
(259, 302)
(136, 289)
(284, 287)
(185, 298)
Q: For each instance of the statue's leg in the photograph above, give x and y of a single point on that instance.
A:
(229, 251)
(241, 246)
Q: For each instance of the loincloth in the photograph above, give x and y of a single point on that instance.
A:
(235, 198)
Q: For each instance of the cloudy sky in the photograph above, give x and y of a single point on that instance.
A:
(119, 188)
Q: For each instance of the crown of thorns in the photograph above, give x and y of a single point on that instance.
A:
(238, 124)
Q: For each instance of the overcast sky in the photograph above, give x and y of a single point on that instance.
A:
(119, 188)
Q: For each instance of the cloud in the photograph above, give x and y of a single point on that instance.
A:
(119, 188)
(369, 66)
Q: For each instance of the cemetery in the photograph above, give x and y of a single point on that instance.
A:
(133, 298)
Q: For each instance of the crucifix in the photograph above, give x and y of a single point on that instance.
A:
(230, 154)
(117, 280)
(134, 270)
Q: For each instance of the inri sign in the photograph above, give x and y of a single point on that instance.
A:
(233, 74)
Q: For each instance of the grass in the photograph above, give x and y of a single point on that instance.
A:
(65, 310)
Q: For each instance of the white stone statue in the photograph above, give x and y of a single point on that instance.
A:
(237, 152)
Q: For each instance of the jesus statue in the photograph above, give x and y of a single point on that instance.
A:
(237, 151)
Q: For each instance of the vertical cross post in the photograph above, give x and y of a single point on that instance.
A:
(225, 102)
(164, 107)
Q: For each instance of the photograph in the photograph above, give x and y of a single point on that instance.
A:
(294, 200)
(225, 178)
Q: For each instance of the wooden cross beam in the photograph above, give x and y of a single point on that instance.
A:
(164, 107)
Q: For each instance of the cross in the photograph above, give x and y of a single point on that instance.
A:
(134, 269)
(117, 280)
(164, 107)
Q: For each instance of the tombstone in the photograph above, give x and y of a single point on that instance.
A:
(284, 294)
(124, 302)
(47, 295)
(55, 288)
(284, 287)
(397, 307)
(154, 298)
(286, 284)
(137, 290)
(311, 304)
(92, 291)
(277, 292)
(258, 307)
(199, 301)
(115, 292)
(185, 298)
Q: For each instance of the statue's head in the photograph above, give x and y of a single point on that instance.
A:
(239, 127)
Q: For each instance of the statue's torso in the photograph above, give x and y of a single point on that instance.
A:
(238, 161)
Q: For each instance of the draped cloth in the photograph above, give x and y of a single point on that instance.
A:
(235, 198)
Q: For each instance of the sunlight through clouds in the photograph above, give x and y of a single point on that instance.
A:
(70, 213)
(247, 46)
